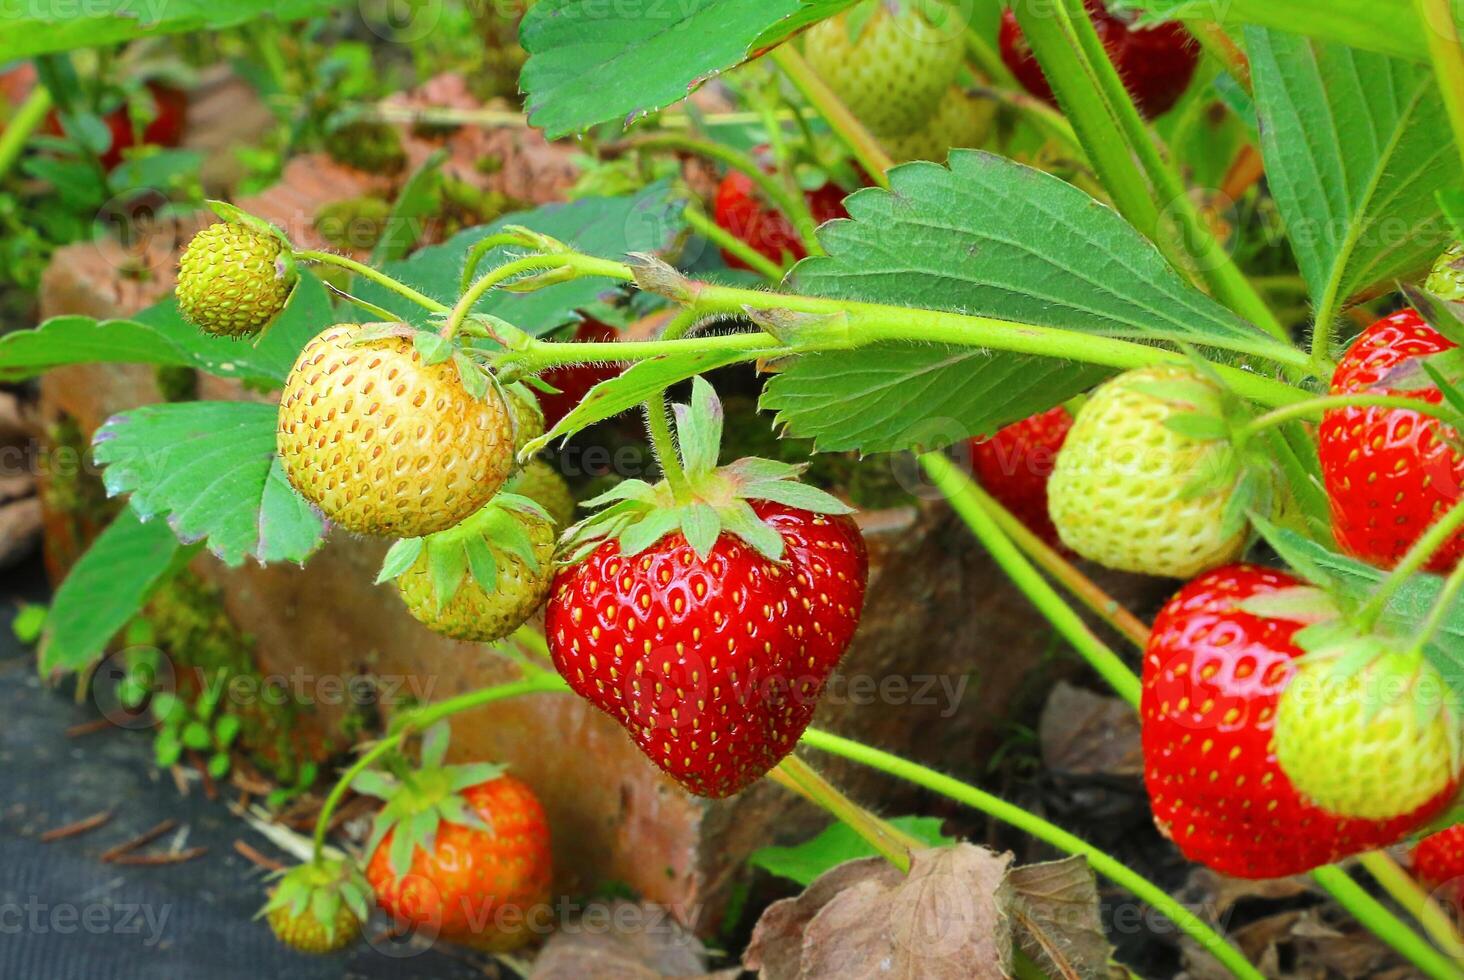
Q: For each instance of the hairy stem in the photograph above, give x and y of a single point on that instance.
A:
(419, 719)
(799, 777)
(1315, 407)
(366, 272)
(1103, 863)
(1401, 887)
(1381, 923)
(845, 124)
(965, 499)
(1418, 555)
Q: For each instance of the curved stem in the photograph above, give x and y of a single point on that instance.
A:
(799, 777)
(963, 496)
(1404, 890)
(657, 422)
(845, 124)
(366, 272)
(793, 206)
(1371, 913)
(722, 238)
(421, 718)
(30, 114)
(1314, 407)
(501, 274)
(1103, 863)
(1441, 607)
(1418, 555)
(481, 248)
(1109, 609)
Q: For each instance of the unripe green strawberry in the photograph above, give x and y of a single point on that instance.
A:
(1130, 492)
(233, 279)
(1375, 742)
(887, 62)
(542, 484)
(1446, 279)
(385, 443)
(959, 121)
(480, 580)
(318, 907)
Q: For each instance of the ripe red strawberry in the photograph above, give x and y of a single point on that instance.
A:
(1438, 862)
(707, 628)
(739, 210)
(575, 380)
(1213, 675)
(1015, 463)
(1388, 472)
(482, 878)
(1156, 63)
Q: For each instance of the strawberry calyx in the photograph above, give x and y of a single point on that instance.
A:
(318, 888)
(476, 546)
(419, 800)
(714, 501)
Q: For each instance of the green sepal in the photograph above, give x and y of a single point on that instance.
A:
(1297, 604)
(474, 378)
(639, 536)
(482, 564)
(1199, 426)
(377, 312)
(699, 429)
(1443, 315)
(637, 490)
(319, 887)
(434, 744)
(232, 214)
(1219, 470)
(1199, 395)
(800, 495)
(400, 557)
(375, 783)
(740, 519)
(432, 348)
(701, 526)
(447, 565)
(384, 330)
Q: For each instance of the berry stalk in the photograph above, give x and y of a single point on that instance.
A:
(1404, 890)
(697, 219)
(1315, 407)
(1418, 555)
(30, 115)
(367, 272)
(961, 492)
(1447, 54)
(1381, 923)
(799, 777)
(1102, 862)
(850, 130)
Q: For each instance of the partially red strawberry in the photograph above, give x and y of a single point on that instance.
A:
(1015, 464)
(1156, 63)
(461, 852)
(1213, 675)
(166, 128)
(1438, 862)
(1389, 473)
(575, 380)
(741, 211)
(708, 626)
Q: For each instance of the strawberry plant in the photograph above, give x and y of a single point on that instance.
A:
(1299, 695)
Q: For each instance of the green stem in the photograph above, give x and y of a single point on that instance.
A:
(1441, 607)
(665, 447)
(1218, 45)
(894, 844)
(845, 124)
(366, 272)
(1316, 407)
(1103, 863)
(1145, 187)
(1418, 555)
(481, 248)
(422, 718)
(965, 499)
(1404, 890)
(724, 239)
(793, 206)
(1436, 17)
(1110, 610)
(503, 273)
(30, 115)
(1371, 913)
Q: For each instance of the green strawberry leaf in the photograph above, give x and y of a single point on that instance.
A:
(1386, 26)
(1353, 159)
(211, 468)
(810, 13)
(107, 588)
(836, 844)
(994, 238)
(608, 227)
(590, 61)
(159, 335)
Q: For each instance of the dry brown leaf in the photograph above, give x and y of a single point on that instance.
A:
(1053, 908)
(943, 921)
(622, 941)
(1089, 734)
